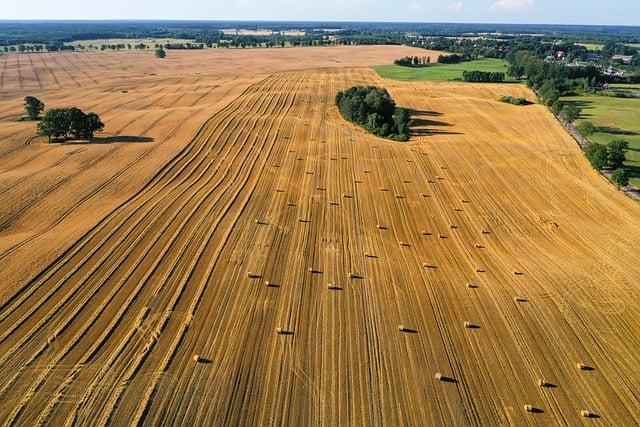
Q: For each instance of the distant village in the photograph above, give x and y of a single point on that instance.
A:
(593, 57)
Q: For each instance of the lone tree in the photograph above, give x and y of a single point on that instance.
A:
(33, 106)
(61, 123)
(160, 53)
(620, 178)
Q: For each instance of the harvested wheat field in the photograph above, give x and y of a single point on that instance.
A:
(52, 194)
(284, 267)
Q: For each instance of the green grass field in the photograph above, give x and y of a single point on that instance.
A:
(592, 46)
(617, 118)
(623, 88)
(440, 72)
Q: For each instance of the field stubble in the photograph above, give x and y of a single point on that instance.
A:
(277, 187)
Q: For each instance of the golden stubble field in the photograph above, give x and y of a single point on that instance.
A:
(52, 194)
(490, 215)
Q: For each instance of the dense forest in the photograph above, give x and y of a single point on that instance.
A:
(373, 108)
(55, 33)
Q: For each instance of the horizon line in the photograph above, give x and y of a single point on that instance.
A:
(70, 20)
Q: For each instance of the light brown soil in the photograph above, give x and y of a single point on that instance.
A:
(277, 187)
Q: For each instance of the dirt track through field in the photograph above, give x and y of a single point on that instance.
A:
(277, 187)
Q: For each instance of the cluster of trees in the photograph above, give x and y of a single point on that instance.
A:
(184, 46)
(452, 59)
(514, 100)
(471, 48)
(551, 81)
(25, 48)
(373, 108)
(549, 95)
(500, 46)
(413, 61)
(160, 53)
(610, 157)
(63, 123)
(612, 48)
(483, 76)
(117, 46)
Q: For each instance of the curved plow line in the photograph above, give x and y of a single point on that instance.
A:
(169, 196)
(151, 101)
(144, 108)
(143, 407)
(11, 217)
(162, 175)
(82, 283)
(149, 226)
(95, 191)
(43, 169)
(164, 254)
(91, 321)
(195, 210)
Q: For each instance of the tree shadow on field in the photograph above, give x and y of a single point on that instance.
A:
(425, 113)
(586, 105)
(581, 105)
(423, 126)
(616, 131)
(632, 171)
(120, 138)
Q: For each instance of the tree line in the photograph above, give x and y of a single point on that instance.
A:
(454, 58)
(483, 76)
(373, 108)
(552, 81)
(62, 123)
(610, 157)
(413, 61)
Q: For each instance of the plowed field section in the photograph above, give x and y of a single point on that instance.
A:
(490, 215)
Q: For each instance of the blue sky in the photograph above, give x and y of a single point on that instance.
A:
(622, 12)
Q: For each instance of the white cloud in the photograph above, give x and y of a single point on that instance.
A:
(512, 4)
(457, 6)
(416, 6)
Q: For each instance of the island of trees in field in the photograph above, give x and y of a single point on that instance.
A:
(515, 100)
(62, 123)
(373, 108)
